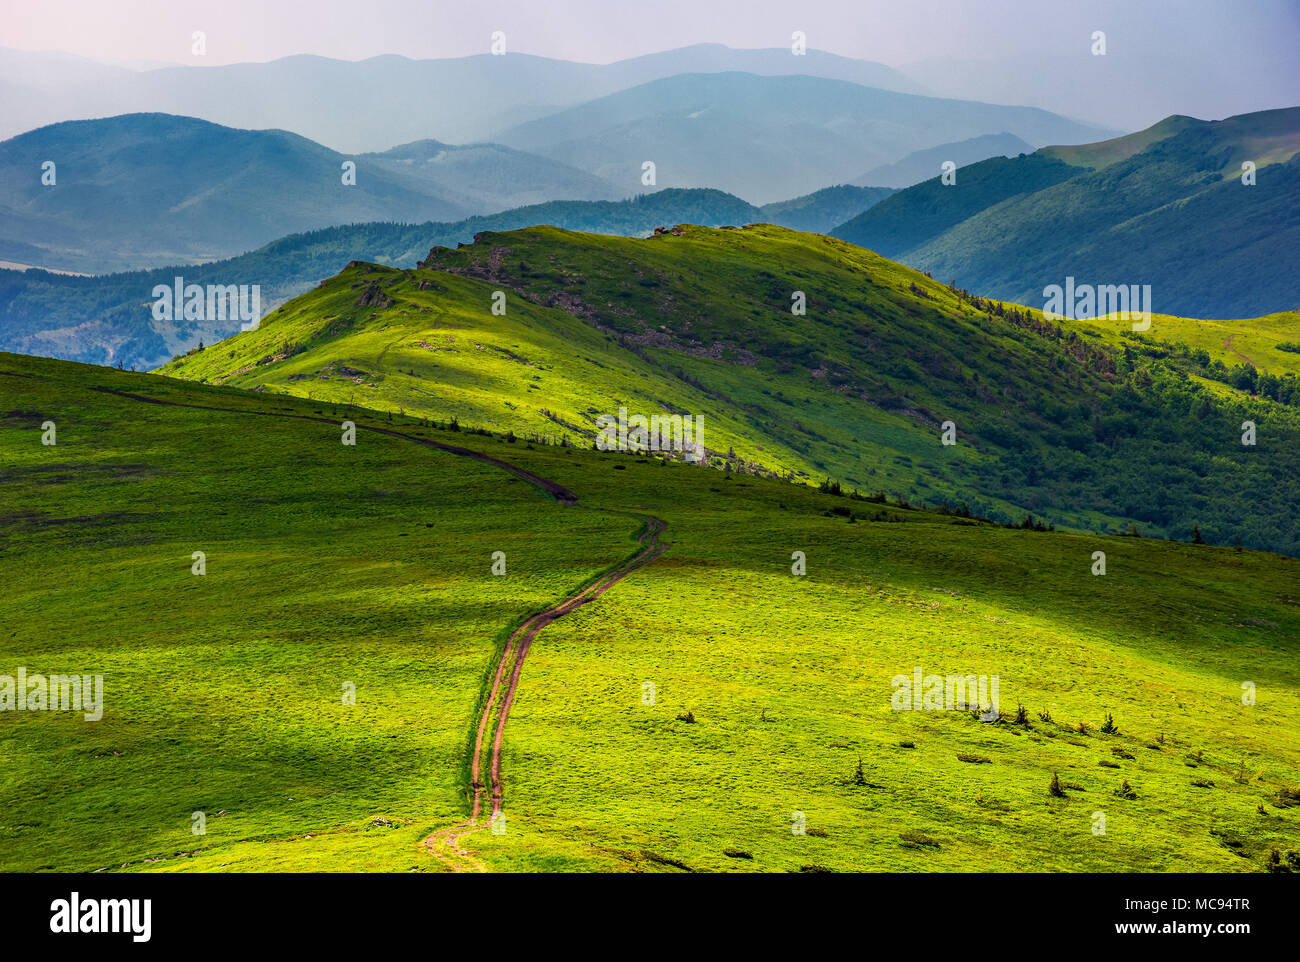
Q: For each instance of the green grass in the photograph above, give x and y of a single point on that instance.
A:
(1259, 339)
(223, 692)
(789, 681)
(1052, 422)
(326, 564)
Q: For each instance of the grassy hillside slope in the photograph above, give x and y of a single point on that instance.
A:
(1049, 421)
(223, 693)
(1165, 207)
(369, 564)
(108, 319)
(910, 218)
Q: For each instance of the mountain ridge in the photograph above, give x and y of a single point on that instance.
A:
(1050, 420)
(106, 319)
(1169, 207)
(375, 102)
(764, 138)
(143, 190)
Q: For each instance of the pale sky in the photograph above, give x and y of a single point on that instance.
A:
(1204, 57)
(599, 31)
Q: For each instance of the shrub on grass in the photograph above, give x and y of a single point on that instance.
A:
(916, 838)
(1284, 864)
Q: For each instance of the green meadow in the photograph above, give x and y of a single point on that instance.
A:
(788, 680)
(690, 719)
(542, 331)
(326, 565)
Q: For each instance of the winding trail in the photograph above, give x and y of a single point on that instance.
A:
(445, 844)
(1228, 346)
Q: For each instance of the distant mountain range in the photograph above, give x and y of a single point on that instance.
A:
(766, 138)
(143, 190)
(923, 164)
(821, 210)
(146, 190)
(1165, 207)
(370, 105)
(486, 178)
(108, 319)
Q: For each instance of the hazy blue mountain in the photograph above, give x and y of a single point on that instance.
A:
(923, 164)
(1107, 152)
(490, 177)
(1173, 214)
(772, 62)
(766, 138)
(927, 209)
(372, 104)
(108, 319)
(909, 218)
(38, 88)
(1140, 78)
(148, 189)
(822, 210)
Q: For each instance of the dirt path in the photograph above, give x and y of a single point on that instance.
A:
(512, 662)
(445, 844)
(1227, 345)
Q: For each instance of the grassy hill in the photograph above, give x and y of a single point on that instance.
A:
(685, 720)
(913, 217)
(1107, 152)
(108, 319)
(1164, 207)
(1051, 421)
